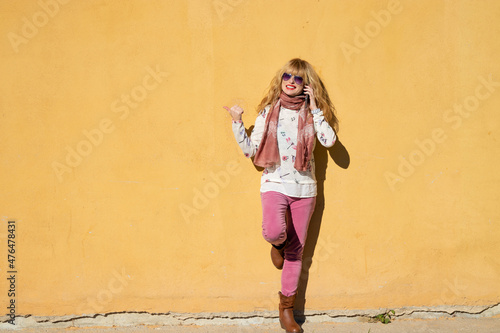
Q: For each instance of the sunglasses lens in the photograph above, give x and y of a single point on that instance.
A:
(286, 76)
(298, 80)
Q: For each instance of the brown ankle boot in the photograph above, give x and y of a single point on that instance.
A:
(277, 256)
(287, 320)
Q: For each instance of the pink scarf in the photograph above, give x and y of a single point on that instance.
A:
(268, 154)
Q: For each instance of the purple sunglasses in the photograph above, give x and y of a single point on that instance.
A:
(297, 79)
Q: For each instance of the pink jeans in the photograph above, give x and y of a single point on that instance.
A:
(278, 226)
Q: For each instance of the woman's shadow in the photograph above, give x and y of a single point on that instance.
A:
(340, 156)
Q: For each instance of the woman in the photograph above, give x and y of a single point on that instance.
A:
(295, 110)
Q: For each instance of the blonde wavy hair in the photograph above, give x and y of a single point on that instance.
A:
(302, 68)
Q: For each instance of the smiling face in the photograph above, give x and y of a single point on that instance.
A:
(290, 87)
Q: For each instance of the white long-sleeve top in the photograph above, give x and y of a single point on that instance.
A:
(284, 178)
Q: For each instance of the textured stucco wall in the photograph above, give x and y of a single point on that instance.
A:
(129, 192)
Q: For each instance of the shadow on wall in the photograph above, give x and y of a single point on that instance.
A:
(340, 156)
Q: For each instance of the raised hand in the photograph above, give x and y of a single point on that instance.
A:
(235, 112)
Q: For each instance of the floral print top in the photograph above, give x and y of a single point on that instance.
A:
(284, 178)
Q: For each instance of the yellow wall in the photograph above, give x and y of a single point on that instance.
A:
(129, 192)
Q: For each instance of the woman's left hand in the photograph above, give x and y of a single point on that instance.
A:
(312, 100)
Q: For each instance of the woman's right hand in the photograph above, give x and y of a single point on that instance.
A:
(235, 112)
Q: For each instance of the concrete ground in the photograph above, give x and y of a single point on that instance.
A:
(447, 325)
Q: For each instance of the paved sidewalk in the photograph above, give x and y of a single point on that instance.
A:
(447, 325)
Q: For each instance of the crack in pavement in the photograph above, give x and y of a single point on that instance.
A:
(171, 318)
